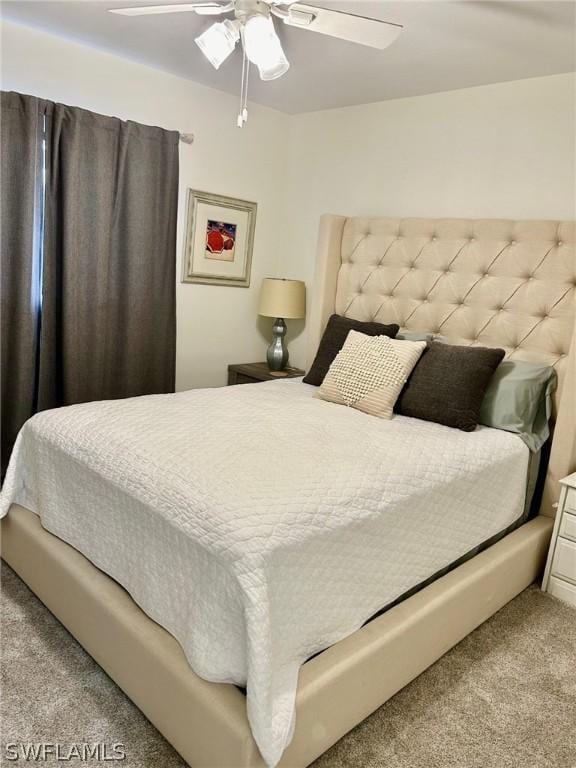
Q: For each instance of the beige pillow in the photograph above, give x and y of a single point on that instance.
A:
(369, 372)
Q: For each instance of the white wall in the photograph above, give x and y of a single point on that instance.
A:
(216, 325)
(504, 150)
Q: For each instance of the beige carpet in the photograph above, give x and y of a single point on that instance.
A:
(503, 698)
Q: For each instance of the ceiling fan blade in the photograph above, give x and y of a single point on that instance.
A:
(213, 9)
(202, 8)
(347, 26)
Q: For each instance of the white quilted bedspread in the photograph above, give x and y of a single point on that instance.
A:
(259, 524)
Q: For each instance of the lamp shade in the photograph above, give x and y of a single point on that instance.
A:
(282, 298)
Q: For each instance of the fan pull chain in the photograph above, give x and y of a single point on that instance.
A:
(243, 114)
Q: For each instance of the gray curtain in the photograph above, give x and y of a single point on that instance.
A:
(21, 128)
(109, 307)
(100, 240)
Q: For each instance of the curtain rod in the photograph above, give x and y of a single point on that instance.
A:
(187, 138)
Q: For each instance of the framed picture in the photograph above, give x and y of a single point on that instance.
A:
(219, 239)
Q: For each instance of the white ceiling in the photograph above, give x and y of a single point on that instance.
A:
(446, 44)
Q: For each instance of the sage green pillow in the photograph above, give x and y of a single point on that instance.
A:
(418, 336)
(519, 399)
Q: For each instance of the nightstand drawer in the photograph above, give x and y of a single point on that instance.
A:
(241, 379)
(563, 590)
(564, 564)
(568, 526)
(252, 373)
(571, 500)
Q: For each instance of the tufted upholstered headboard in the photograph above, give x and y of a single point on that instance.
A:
(496, 283)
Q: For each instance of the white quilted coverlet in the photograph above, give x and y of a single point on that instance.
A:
(260, 524)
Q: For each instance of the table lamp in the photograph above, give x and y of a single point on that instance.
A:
(281, 299)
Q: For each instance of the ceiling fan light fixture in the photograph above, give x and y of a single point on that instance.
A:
(254, 23)
(263, 47)
(219, 41)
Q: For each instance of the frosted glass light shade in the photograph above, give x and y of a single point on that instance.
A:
(282, 298)
(218, 41)
(263, 47)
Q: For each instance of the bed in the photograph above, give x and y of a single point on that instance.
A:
(493, 283)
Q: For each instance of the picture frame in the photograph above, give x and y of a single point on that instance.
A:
(219, 239)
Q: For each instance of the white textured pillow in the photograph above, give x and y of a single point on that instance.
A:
(369, 372)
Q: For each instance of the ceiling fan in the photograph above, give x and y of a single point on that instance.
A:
(252, 23)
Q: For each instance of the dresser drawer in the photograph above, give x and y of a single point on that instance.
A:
(568, 526)
(562, 589)
(571, 500)
(564, 564)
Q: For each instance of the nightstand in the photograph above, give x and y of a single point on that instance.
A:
(250, 373)
(560, 574)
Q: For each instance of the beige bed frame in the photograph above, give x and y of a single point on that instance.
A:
(498, 283)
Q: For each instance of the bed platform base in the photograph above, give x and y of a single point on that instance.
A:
(206, 722)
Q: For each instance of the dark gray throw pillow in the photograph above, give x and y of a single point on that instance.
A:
(333, 340)
(448, 385)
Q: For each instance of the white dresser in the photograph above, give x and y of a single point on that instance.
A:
(560, 574)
